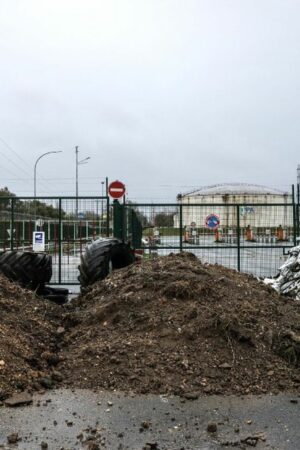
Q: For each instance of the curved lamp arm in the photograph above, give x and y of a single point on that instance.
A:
(44, 154)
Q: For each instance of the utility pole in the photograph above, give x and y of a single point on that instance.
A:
(102, 200)
(83, 161)
(76, 187)
(76, 151)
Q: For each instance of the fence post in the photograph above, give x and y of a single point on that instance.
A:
(136, 229)
(118, 219)
(180, 227)
(107, 216)
(294, 216)
(12, 221)
(59, 240)
(125, 218)
(238, 236)
(297, 210)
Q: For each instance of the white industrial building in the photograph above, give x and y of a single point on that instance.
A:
(215, 200)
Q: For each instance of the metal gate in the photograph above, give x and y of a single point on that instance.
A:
(251, 238)
(69, 224)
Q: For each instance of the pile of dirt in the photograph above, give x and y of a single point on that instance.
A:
(168, 325)
(28, 339)
(174, 325)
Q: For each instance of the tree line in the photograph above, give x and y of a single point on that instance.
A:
(46, 210)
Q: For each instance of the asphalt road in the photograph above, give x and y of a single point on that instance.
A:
(66, 419)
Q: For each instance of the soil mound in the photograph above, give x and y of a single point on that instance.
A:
(28, 327)
(174, 325)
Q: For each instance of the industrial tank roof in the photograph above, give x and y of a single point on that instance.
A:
(235, 189)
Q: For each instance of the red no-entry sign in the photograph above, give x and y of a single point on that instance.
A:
(116, 189)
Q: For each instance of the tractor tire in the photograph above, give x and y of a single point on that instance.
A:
(56, 298)
(29, 269)
(56, 295)
(102, 256)
(49, 290)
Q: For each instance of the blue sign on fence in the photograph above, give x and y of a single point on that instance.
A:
(38, 241)
(38, 238)
(212, 221)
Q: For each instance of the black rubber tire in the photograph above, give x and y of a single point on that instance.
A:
(60, 291)
(100, 257)
(52, 293)
(29, 269)
(56, 298)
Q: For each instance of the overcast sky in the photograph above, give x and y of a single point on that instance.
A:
(165, 95)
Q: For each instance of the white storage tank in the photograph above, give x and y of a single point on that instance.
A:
(213, 200)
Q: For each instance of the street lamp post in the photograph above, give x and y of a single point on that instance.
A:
(44, 154)
(78, 163)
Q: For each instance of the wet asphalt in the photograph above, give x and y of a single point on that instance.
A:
(68, 419)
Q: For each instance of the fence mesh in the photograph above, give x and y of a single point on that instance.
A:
(251, 238)
(68, 223)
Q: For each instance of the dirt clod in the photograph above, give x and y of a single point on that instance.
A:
(191, 395)
(13, 438)
(151, 446)
(212, 427)
(46, 382)
(23, 398)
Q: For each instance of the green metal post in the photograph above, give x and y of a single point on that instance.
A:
(136, 230)
(12, 222)
(124, 212)
(107, 217)
(294, 216)
(118, 218)
(180, 228)
(238, 235)
(59, 240)
(132, 231)
(297, 210)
